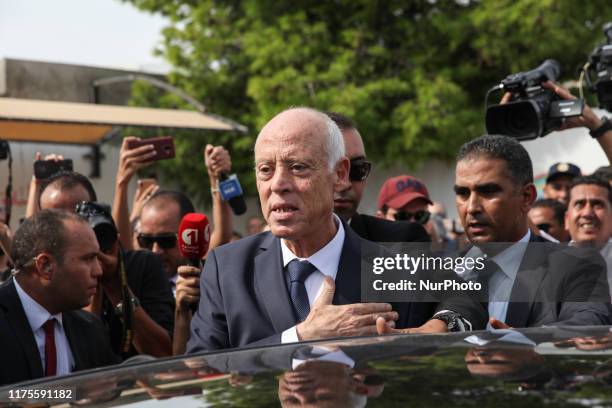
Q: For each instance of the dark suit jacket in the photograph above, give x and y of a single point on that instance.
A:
(380, 230)
(19, 355)
(245, 300)
(559, 285)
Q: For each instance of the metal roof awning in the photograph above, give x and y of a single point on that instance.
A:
(83, 123)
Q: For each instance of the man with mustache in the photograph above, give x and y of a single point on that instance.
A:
(588, 218)
(301, 280)
(347, 200)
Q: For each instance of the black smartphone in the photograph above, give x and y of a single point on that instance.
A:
(43, 169)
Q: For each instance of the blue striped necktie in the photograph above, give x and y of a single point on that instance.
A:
(299, 271)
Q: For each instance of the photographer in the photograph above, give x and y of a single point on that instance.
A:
(146, 290)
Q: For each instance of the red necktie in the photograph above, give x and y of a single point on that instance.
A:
(50, 352)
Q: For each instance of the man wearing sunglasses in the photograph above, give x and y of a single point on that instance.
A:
(151, 296)
(347, 200)
(405, 198)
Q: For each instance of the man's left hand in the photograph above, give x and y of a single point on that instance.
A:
(431, 326)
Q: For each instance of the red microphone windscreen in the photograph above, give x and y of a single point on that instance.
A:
(193, 236)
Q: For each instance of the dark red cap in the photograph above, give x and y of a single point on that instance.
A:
(399, 191)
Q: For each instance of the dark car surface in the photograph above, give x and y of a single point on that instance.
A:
(555, 367)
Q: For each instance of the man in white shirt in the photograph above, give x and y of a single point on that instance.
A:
(531, 282)
(56, 273)
(300, 281)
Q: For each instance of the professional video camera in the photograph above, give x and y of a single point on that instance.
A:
(599, 67)
(99, 218)
(534, 110)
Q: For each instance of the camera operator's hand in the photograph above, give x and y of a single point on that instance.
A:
(588, 118)
(130, 160)
(326, 320)
(187, 287)
(217, 160)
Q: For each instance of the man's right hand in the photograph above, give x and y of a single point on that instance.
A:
(326, 320)
(187, 287)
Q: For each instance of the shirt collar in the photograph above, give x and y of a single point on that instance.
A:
(509, 260)
(326, 259)
(36, 314)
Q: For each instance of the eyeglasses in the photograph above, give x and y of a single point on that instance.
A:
(421, 216)
(543, 227)
(360, 169)
(165, 241)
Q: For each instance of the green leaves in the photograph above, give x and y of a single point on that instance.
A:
(413, 75)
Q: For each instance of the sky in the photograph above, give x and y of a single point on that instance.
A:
(105, 33)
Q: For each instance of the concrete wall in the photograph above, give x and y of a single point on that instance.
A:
(61, 82)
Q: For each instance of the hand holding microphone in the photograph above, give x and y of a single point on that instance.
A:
(219, 164)
(193, 240)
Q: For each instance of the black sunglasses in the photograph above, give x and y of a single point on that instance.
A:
(421, 216)
(360, 169)
(165, 241)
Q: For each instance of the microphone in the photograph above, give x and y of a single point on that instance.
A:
(193, 237)
(231, 191)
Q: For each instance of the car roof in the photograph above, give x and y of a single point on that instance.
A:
(537, 364)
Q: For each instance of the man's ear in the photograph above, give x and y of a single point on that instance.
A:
(529, 194)
(342, 171)
(45, 266)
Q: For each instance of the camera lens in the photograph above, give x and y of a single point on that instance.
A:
(519, 120)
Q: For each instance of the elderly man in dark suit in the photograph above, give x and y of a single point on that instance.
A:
(43, 330)
(346, 201)
(301, 280)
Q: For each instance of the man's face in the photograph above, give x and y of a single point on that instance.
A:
(347, 200)
(76, 278)
(589, 215)
(295, 186)
(497, 362)
(67, 199)
(557, 188)
(316, 383)
(163, 220)
(544, 218)
(492, 208)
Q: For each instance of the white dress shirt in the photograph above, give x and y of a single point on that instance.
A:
(326, 260)
(501, 282)
(37, 316)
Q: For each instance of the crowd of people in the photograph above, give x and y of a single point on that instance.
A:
(74, 298)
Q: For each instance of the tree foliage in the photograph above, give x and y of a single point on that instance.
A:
(412, 74)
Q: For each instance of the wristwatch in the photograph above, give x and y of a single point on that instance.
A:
(454, 321)
(606, 125)
(135, 303)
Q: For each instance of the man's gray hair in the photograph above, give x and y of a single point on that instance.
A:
(335, 143)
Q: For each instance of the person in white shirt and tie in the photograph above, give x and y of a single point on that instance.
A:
(56, 273)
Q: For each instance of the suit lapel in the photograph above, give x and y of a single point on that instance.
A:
(71, 328)
(9, 300)
(271, 286)
(528, 280)
(348, 278)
